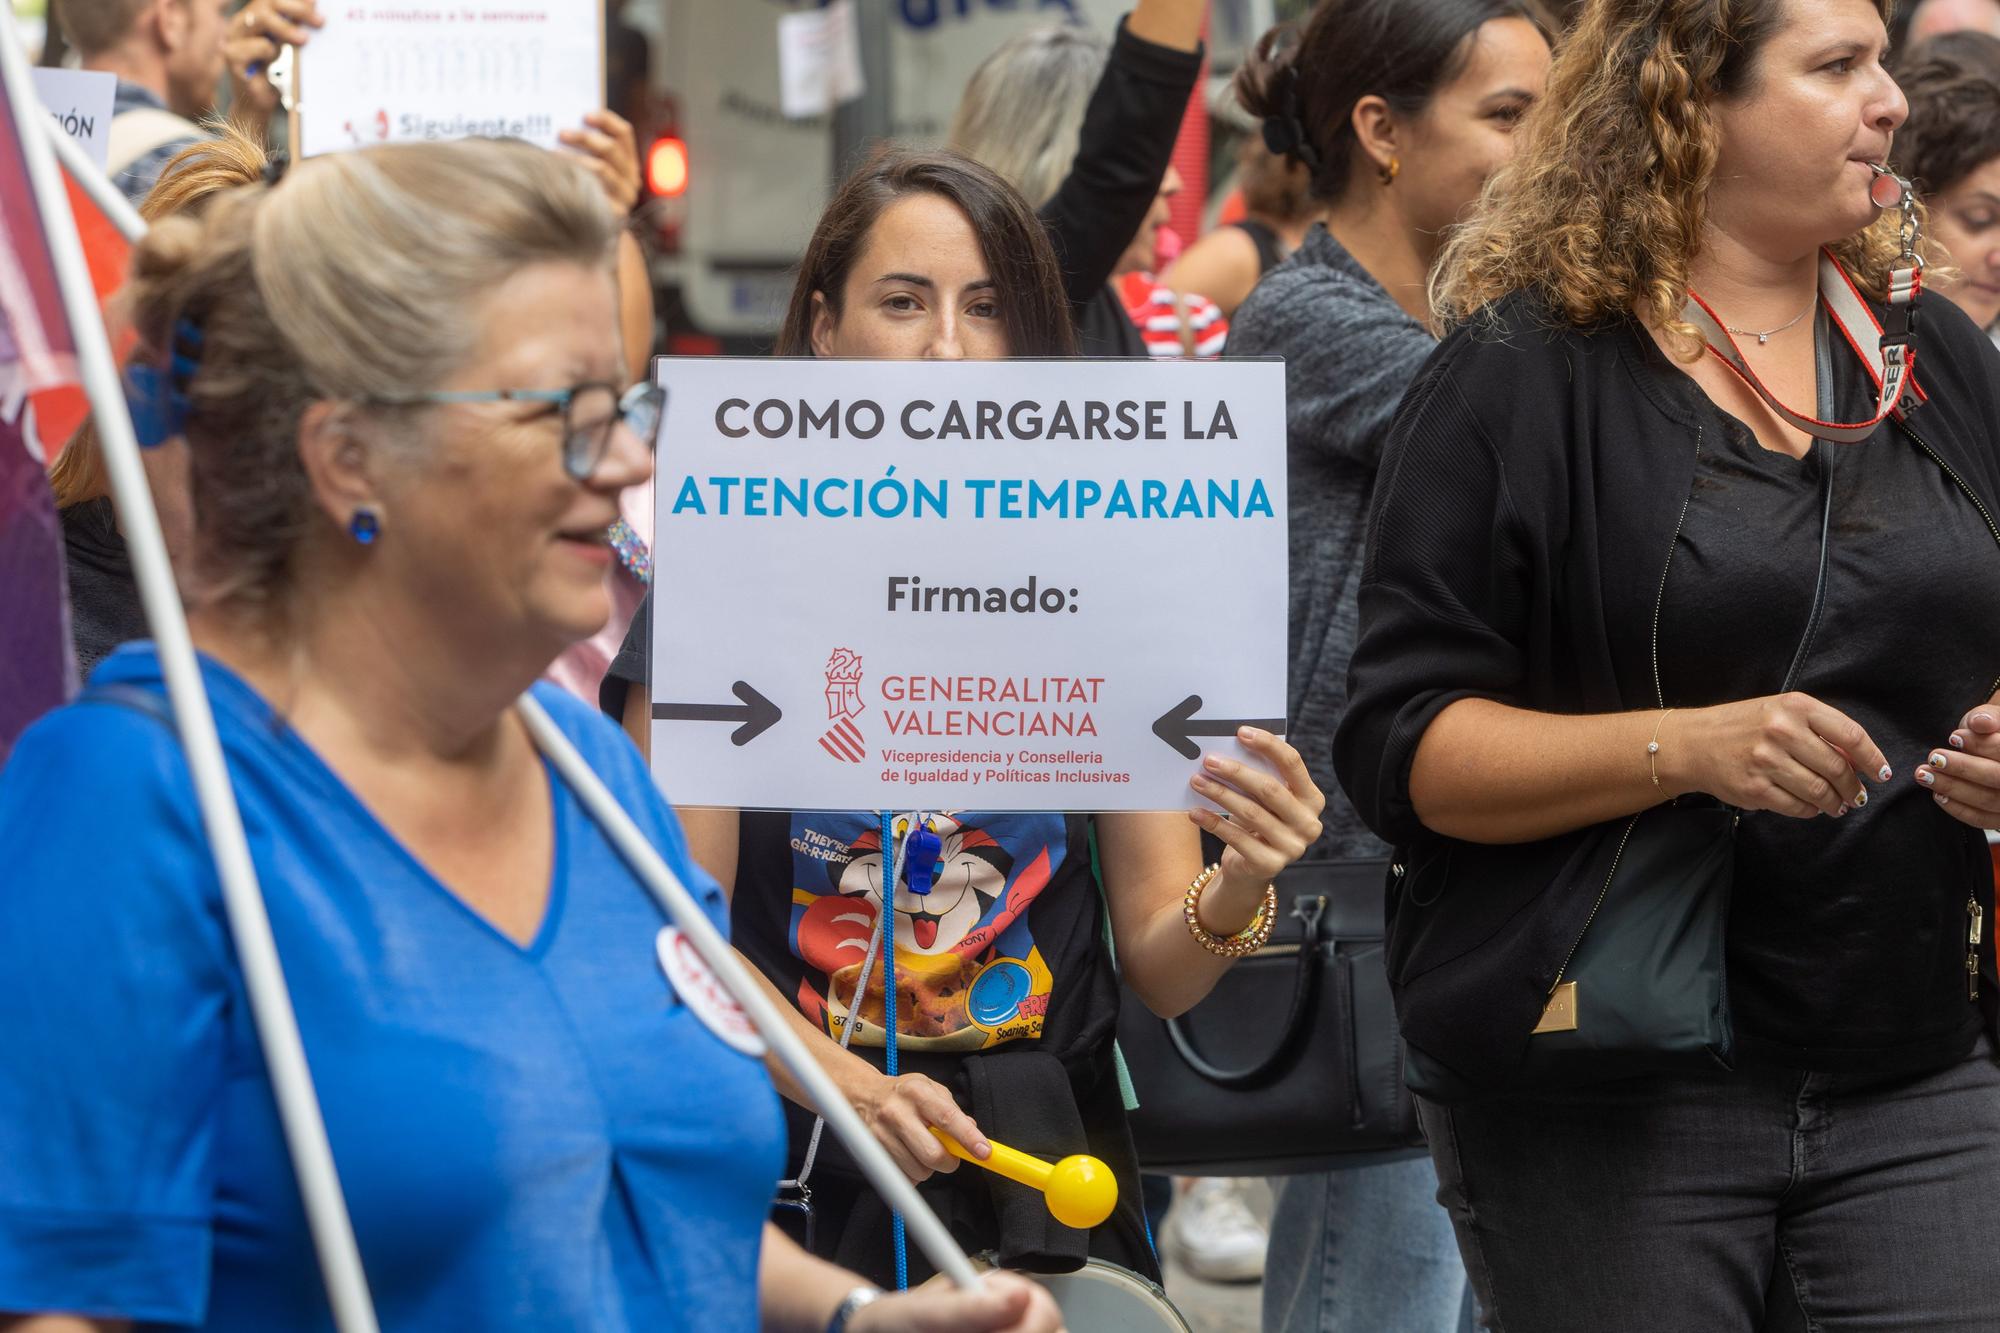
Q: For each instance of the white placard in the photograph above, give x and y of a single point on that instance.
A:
(81, 102)
(392, 72)
(819, 60)
(862, 604)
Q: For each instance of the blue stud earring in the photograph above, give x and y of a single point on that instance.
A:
(364, 527)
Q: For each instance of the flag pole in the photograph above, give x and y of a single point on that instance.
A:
(94, 183)
(681, 908)
(250, 925)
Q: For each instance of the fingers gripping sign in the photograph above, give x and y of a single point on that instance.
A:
(1270, 817)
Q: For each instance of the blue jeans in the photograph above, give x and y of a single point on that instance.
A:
(1363, 1250)
(1732, 1203)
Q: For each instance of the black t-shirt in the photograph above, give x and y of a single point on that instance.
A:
(1847, 937)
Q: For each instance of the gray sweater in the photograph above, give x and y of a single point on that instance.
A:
(1349, 352)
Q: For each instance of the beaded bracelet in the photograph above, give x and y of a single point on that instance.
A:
(1246, 941)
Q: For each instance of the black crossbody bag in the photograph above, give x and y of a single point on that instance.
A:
(1615, 966)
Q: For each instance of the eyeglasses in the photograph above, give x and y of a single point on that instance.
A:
(590, 413)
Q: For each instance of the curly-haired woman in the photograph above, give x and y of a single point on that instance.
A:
(1593, 553)
(1950, 150)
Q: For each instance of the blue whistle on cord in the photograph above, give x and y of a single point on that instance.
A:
(920, 858)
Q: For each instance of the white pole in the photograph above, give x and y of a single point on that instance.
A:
(95, 183)
(250, 926)
(680, 906)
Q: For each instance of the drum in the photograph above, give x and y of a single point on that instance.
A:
(1104, 1298)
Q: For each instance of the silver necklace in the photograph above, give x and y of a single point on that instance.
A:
(1765, 336)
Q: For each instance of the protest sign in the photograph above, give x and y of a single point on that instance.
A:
(1006, 585)
(387, 73)
(80, 100)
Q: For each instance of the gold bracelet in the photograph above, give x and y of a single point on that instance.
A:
(1653, 748)
(1245, 941)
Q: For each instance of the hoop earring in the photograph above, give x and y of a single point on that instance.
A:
(1388, 173)
(365, 526)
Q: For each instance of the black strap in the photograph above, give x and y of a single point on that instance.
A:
(1305, 996)
(135, 697)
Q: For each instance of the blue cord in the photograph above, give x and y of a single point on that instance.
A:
(889, 869)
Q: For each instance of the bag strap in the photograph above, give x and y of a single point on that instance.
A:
(135, 697)
(1305, 992)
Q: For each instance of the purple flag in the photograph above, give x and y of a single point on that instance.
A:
(37, 667)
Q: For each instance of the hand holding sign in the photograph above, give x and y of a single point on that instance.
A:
(260, 30)
(1271, 820)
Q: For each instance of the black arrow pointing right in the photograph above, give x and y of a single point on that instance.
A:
(1178, 725)
(756, 713)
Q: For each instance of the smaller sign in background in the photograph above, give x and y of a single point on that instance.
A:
(386, 73)
(80, 100)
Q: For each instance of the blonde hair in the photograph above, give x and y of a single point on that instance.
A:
(1021, 114)
(357, 278)
(1604, 206)
(195, 175)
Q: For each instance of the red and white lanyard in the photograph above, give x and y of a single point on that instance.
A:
(1889, 354)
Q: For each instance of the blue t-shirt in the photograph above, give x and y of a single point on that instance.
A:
(540, 1137)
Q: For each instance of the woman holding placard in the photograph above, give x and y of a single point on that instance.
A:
(1006, 996)
(400, 379)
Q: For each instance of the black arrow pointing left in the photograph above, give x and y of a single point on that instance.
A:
(1179, 725)
(756, 713)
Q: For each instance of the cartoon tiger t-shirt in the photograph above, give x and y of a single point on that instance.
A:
(1000, 942)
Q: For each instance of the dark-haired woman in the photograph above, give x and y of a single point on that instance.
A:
(1950, 150)
(932, 256)
(1398, 110)
(1605, 572)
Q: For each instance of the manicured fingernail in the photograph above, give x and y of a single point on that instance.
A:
(1941, 800)
(1885, 773)
(1248, 734)
(1838, 813)
(1861, 798)
(1925, 776)
(1939, 759)
(1212, 762)
(1957, 740)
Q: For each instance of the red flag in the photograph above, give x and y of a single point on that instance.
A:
(37, 668)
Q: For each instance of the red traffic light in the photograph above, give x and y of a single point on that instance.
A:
(667, 167)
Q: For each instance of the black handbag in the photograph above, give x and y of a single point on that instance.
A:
(1292, 1063)
(1612, 966)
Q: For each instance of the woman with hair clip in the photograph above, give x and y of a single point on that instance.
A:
(408, 420)
(1398, 111)
(1950, 151)
(932, 256)
(1664, 530)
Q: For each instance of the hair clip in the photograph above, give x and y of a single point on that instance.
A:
(276, 165)
(1285, 132)
(158, 396)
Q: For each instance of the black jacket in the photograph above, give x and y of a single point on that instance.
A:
(1122, 154)
(1528, 498)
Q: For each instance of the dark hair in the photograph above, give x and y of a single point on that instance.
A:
(1953, 84)
(1026, 278)
(1401, 51)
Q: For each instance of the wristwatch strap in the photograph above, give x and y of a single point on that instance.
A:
(846, 1310)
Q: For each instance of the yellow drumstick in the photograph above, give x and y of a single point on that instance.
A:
(1081, 1191)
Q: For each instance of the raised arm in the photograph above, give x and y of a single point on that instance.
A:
(1127, 140)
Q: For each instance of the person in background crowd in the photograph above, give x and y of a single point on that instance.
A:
(408, 426)
(1934, 18)
(1950, 149)
(1173, 324)
(932, 256)
(1398, 111)
(1086, 132)
(168, 56)
(1279, 207)
(1587, 519)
